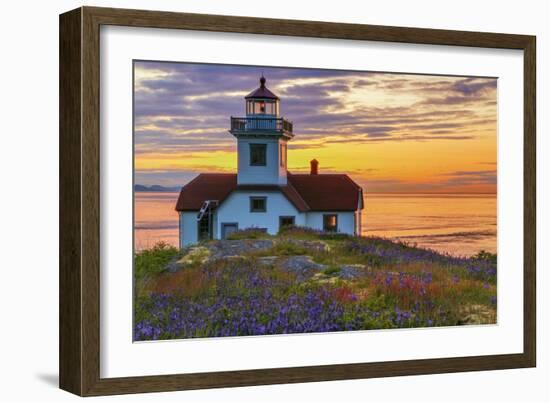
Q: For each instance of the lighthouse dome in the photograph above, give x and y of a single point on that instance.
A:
(262, 92)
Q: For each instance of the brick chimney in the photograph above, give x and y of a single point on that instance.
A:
(314, 167)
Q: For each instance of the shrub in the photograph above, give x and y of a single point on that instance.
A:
(150, 262)
(487, 256)
(287, 248)
(298, 232)
(248, 233)
(190, 282)
(329, 271)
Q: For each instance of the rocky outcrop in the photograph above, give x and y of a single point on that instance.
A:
(302, 265)
(313, 246)
(216, 250)
(222, 249)
(351, 271)
(476, 314)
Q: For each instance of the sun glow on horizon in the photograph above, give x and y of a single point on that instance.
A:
(395, 133)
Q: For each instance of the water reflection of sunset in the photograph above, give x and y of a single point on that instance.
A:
(458, 224)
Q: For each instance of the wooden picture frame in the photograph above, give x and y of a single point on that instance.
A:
(79, 347)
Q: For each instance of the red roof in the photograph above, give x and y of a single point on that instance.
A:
(205, 187)
(327, 192)
(324, 192)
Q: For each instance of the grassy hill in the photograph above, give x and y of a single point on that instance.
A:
(303, 280)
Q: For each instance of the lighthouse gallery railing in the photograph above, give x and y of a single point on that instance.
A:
(255, 123)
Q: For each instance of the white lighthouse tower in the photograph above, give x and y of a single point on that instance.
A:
(262, 138)
(263, 194)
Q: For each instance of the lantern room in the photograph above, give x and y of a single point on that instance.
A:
(262, 102)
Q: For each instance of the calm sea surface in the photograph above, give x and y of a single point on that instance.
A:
(452, 223)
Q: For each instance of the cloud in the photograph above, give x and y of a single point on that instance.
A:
(465, 91)
(185, 108)
(426, 138)
(474, 86)
(163, 177)
(478, 181)
(469, 178)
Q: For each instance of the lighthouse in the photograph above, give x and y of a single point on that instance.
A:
(263, 194)
(262, 138)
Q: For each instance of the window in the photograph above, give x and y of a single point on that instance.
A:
(259, 108)
(258, 154)
(258, 204)
(286, 221)
(282, 156)
(270, 108)
(330, 222)
(262, 107)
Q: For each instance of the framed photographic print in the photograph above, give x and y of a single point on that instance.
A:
(249, 201)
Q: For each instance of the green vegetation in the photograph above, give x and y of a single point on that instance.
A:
(151, 262)
(249, 233)
(331, 270)
(303, 280)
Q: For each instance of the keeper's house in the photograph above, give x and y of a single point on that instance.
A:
(263, 194)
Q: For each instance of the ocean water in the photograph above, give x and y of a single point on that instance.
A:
(459, 224)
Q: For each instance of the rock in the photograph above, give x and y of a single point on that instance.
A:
(234, 257)
(477, 315)
(314, 246)
(191, 256)
(267, 260)
(222, 249)
(350, 271)
(173, 265)
(322, 278)
(301, 265)
(196, 254)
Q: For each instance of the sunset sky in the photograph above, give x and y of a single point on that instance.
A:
(390, 132)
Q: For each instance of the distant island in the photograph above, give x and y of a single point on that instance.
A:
(156, 188)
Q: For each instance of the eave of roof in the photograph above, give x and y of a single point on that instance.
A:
(287, 190)
(205, 187)
(262, 92)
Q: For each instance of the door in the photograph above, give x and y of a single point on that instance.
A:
(205, 227)
(228, 228)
